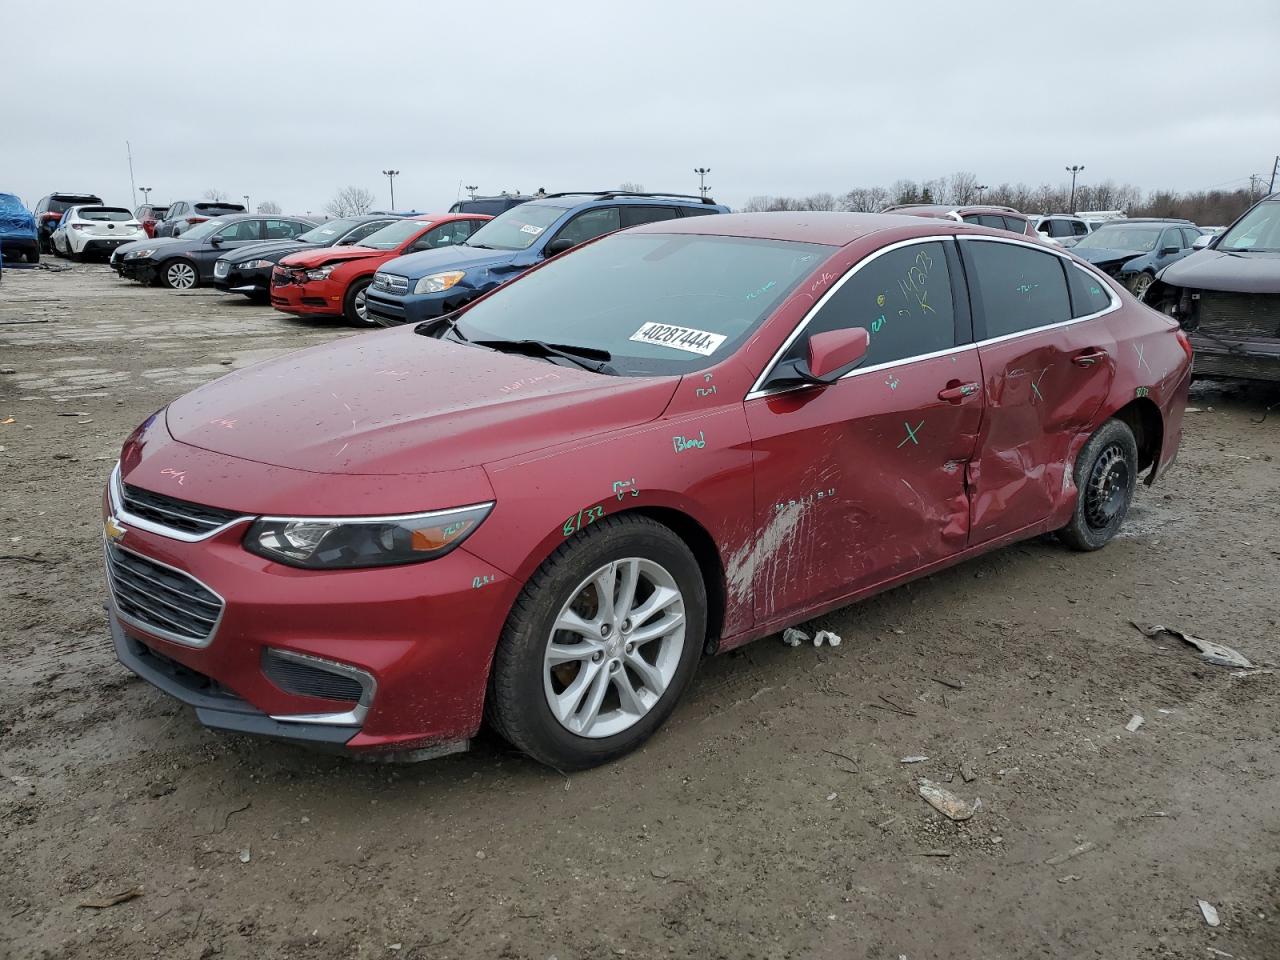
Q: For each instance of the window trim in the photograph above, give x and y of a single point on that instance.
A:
(758, 388)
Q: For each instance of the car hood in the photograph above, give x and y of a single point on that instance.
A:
(1232, 272)
(264, 249)
(312, 257)
(396, 402)
(1105, 254)
(418, 265)
(146, 244)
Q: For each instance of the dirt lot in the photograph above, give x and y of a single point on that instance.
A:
(772, 818)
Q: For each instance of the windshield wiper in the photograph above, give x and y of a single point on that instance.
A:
(589, 358)
(480, 246)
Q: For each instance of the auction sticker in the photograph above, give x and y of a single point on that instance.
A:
(530, 228)
(679, 338)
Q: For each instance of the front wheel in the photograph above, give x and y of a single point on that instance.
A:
(1139, 285)
(600, 644)
(178, 275)
(355, 304)
(1106, 475)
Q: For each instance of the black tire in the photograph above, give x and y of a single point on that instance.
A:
(516, 705)
(351, 304)
(33, 255)
(172, 274)
(1106, 475)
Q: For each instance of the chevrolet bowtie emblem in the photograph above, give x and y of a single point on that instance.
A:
(115, 533)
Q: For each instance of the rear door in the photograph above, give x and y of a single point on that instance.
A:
(863, 480)
(1047, 365)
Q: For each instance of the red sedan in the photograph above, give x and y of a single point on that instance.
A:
(546, 508)
(332, 282)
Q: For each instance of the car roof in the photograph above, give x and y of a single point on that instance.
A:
(944, 209)
(75, 196)
(1179, 221)
(833, 229)
(576, 198)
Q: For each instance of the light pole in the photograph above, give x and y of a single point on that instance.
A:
(146, 194)
(702, 180)
(471, 189)
(981, 188)
(247, 208)
(1073, 170)
(391, 179)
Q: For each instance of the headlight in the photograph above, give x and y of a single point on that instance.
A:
(140, 253)
(438, 282)
(320, 274)
(339, 543)
(256, 265)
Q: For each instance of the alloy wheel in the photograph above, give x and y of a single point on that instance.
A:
(1108, 487)
(180, 275)
(1140, 285)
(614, 648)
(360, 303)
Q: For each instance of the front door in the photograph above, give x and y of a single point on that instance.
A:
(864, 479)
(1047, 365)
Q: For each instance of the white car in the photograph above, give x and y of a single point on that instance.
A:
(1061, 229)
(87, 231)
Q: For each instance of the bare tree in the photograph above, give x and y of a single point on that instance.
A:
(962, 189)
(268, 206)
(350, 202)
(629, 186)
(865, 200)
(820, 201)
(216, 195)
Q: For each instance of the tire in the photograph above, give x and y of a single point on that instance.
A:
(527, 677)
(33, 255)
(1140, 284)
(179, 274)
(353, 304)
(1106, 475)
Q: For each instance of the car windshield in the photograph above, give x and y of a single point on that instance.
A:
(117, 214)
(202, 230)
(518, 228)
(1120, 237)
(1258, 231)
(328, 230)
(394, 234)
(656, 303)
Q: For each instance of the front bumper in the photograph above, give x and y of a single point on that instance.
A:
(315, 298)
(256, 281)
(1245, 358)
(392, 311)
(419, 631)
(140, 269)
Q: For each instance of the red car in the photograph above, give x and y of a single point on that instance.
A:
(149, 215)
(545, 508)
(332, 282)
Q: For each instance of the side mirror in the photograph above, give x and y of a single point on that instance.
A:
(347, 242)
(559, 245)
(1202, 242)
(1165, 251)
(215, 241)
(836, 352)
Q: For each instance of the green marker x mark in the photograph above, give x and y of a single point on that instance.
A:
(911, 434)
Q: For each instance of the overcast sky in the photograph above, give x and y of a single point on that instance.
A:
(289, 102)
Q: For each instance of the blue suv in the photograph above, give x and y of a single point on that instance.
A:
(426, 285)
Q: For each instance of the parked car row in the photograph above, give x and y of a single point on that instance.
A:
(186, 261)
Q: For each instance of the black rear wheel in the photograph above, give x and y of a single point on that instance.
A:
(354, 307)
(1106, 475)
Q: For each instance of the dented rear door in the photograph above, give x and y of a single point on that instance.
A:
(1045, 375)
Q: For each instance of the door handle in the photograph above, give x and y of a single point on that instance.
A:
(957, 392)
(1089, 358)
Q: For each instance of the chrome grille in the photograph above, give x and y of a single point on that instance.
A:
(160, 599)
(390, 283)
(174, 513)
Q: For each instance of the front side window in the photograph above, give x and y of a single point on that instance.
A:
(240, 230)
(1172, 238)
(1257, 232)
(445, 235)
(360, 232)
(658, 303)
(590, 224)
(901, 298)
(991, 220)
(518, 228)
(1017, 287)
(1079, 228)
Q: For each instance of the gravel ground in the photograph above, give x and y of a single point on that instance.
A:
(771, 818)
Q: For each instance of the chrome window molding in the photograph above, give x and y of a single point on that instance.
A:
(349, 718)
(146, 627)
(116, 497)
(758, 389)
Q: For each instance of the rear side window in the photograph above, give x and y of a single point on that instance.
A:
(697, 211)
(991, 220)
(903, 300)
(1079, 228)
(283, 229)
(633, 215)
(1016, 224)
(1018, 288)
(1088, 293)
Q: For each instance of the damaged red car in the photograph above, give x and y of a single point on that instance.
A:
(543, 510)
